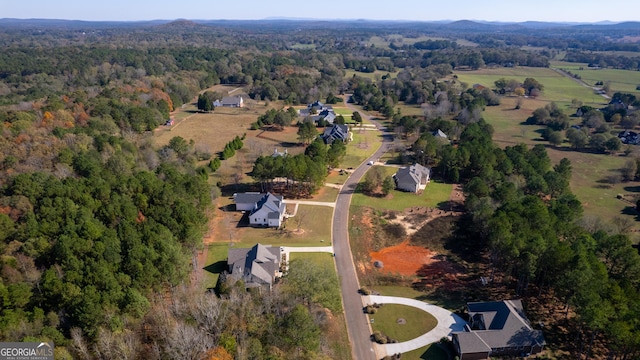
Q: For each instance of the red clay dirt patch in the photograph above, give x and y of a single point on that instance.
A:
(403, 258)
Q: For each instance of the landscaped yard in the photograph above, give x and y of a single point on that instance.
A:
(401, 322)
(315, 231)
(434, 194)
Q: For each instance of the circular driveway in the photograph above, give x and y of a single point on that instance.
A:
(448, 323)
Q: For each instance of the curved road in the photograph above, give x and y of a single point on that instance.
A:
(357, 322)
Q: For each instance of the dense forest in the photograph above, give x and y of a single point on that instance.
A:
(98, 227)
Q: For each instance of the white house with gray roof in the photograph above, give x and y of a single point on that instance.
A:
(230, 101)
(258, 266)
(413, 178)
(265, 209)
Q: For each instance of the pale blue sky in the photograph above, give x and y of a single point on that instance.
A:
(490, 10)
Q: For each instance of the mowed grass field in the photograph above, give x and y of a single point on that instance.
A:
(619, 80)
(590, 171)
(557, 87)
(365, 143)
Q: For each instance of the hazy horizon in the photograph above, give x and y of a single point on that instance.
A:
(569, 11)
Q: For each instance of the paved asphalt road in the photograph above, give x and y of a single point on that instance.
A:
(357, 322)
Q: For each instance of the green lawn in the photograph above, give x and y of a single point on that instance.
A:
(431, 352)
(326, 194)
(324, 260)
(408, 292)
(409, 110)
(336, 178)
(317, 232)
(417, 322)
(400, 291)
(215, 263)
(364, 144)
(434, 194)
(345, 112)
(316, 226)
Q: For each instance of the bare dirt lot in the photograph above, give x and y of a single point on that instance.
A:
(409, 254)
(403, 259)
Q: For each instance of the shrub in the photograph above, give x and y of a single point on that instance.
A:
(379, 338)
(364, 291)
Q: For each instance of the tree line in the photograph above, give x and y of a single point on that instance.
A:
(521, 211)
(303, 174)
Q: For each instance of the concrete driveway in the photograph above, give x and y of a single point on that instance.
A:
(448, 323)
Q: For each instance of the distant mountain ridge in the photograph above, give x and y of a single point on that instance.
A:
(451, 24)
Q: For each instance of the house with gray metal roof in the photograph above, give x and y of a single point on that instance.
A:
(413, 178)
(258, 266)
(247, 201)
(230, 101)
(497, 328)
(265, 209)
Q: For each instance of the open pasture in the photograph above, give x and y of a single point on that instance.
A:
(349, 73)
(619, 80)
(591, 172)
(384, 42)
(557, 87)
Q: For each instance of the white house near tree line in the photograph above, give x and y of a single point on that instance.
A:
(230, 101)
(413, 178)
(265, 209)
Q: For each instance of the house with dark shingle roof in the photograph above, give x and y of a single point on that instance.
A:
(497, 328)
(335, 132)
(413, 178)
(258, 266)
